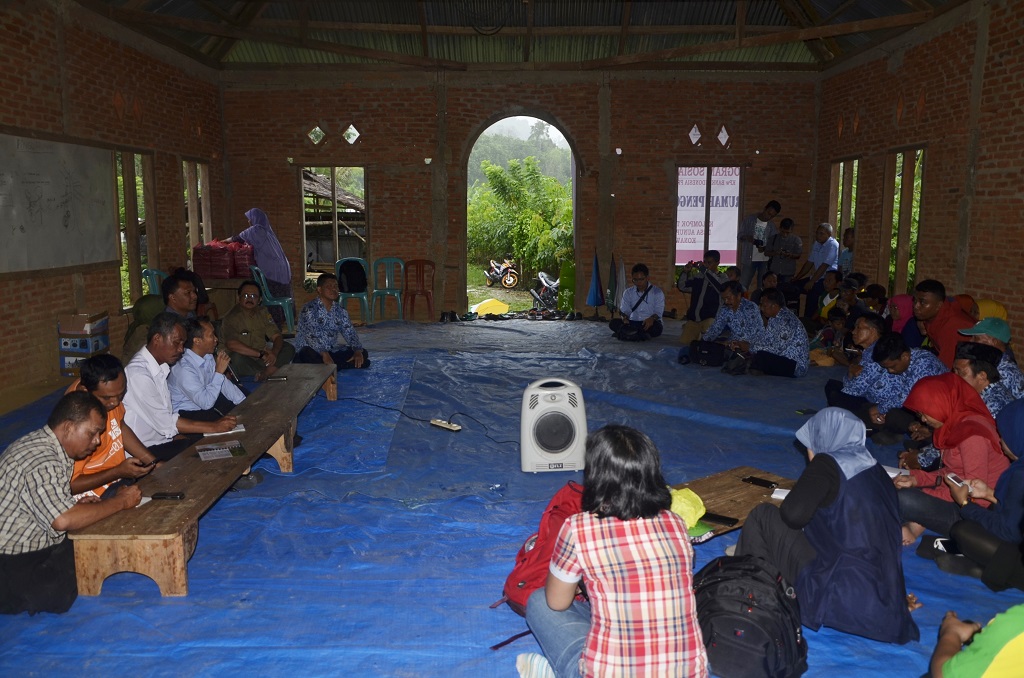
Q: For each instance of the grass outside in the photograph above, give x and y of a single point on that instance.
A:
(518, 299)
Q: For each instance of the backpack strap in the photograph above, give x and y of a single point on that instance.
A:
(511, 639)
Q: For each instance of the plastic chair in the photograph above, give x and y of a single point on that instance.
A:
(153, 278)
(343, 269)
(287, 304)
(387, 285)
(419, 281)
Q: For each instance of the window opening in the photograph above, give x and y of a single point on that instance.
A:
(333, 215)
(707, 213)
(198, 222)
(902, 211)
(136, 234)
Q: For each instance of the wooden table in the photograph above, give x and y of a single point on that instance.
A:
(157, 539)
(727, 495)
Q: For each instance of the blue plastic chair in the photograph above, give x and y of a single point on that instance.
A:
(388, 281)
(350, 290)
(287, 304)
(153, 278)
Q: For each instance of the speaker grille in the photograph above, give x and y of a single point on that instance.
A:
(572, 399)
(534, 400)
(554, 432)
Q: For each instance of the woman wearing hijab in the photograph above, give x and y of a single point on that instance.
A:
(964, 433)
(901, 312)
(990, 539)
(270, 257)
(837, 535)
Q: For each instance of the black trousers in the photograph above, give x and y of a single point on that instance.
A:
(219, 409)
(773, 365)
(1002, 561)
(634, 330)
(764, 534)
(39, 581)
(172, 448)
(897, 420)
(340, 357)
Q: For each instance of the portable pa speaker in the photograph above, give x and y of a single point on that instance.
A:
(553, 430)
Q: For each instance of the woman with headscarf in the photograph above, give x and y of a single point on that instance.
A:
(964, 433)
(900, 311)
(270, 257)
(837, 535)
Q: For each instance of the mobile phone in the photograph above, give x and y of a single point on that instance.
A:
(168, 495)
(760, 482)
(955, 479)
(719, 519)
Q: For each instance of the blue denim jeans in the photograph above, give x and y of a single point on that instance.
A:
(561, 635)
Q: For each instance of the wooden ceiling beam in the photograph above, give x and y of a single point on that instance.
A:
(424, 36)
(799, 20)
(624, 27)
(831, 45)
(799, 35)
(517, 31)
(528, 38)
(221, 47)
(838, 11)
(741, 20)
(138, 20)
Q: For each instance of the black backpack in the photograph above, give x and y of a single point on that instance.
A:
(352, 277)
(750, 619)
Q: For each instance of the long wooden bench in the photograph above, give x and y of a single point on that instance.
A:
(158, 538)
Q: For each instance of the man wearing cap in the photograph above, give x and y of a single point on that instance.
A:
(875, 297)
(824, 257)
(942, 319)
(996, 333)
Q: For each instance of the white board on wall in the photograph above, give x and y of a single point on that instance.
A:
(57, 205)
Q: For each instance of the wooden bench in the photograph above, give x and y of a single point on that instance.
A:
(158, 539)
(726, 494)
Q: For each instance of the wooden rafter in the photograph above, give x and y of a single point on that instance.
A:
(811, 13)
(424, 36)
(528, 38)
(796, 17)
(798, 35)
(624, 27)
(138, 20)
(249, 13)
(741, 20)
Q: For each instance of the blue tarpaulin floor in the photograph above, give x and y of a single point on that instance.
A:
(381, 554)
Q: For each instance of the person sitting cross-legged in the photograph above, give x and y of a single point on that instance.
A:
(836, 537)
(781, 350)
(200, 389)
(887, 415)
(739, 316)
(121, 457)
(147, 403)
(320, 323)
(703, 282)
(252, 338)
(37, 560)
(977, 364)
(642, 307)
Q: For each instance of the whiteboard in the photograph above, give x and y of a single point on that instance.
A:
(57, 205)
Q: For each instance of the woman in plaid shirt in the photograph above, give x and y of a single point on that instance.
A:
(635, 560)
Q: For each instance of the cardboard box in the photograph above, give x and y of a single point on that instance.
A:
(83, 323)
(79, 344)
(70, 362)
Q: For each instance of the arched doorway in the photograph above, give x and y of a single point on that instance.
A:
(520, 199)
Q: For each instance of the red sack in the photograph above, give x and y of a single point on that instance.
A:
(213, 261)
(244, 257)
(531, 568)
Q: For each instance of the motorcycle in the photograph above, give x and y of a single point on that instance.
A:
(505, 273)
(547, 297)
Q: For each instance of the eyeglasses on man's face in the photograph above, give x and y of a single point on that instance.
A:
(640, 279)
(250, 295)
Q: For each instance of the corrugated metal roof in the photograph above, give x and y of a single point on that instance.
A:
(478, 34)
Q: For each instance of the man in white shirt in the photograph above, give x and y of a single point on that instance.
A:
(753, 234)
(642, 305)
(148, 409)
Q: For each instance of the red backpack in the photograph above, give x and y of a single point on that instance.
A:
(531, 568)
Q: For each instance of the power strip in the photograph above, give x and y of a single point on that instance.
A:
(441, 423)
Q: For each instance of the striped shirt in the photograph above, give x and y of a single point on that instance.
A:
(785, 336)
(35, 488)
(639, 576)
(745, 322)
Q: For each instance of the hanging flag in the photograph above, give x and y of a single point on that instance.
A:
(595, 297)
(610, 294)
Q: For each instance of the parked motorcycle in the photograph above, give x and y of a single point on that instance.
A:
(505, 273)
(547, 296)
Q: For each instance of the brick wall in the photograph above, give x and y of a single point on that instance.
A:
(69, 75)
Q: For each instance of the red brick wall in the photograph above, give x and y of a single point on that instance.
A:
(934, 81)
(72, 76)
(68, 82)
